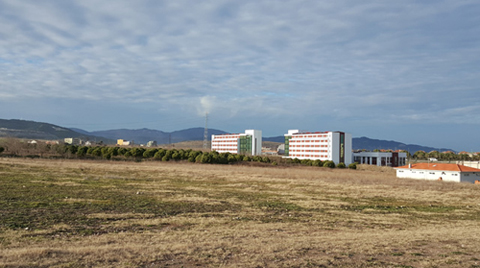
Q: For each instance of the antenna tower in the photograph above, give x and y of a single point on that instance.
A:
(205, 133)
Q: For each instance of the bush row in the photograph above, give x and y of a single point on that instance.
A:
(159, 154)
(319, 163)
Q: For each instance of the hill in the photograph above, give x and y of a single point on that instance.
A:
(372, 144)
(144, 135)
(39, 130)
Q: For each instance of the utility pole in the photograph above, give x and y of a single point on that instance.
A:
(205, 133)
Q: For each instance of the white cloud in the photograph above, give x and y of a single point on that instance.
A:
(258, 58)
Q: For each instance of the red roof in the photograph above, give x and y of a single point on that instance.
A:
(439, 166)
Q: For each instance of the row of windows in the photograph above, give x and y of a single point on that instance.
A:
(294, 140)
(431, 173)
(307, 155)
(224, 145)
(223, 149)
(293, 145)
(310, 136)
(310, 151)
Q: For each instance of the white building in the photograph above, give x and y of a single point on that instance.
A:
(389, 159)
(437, 171)
(249, 143)
(331, 145)
(73, 141)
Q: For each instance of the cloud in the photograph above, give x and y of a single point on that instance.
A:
(405, 61)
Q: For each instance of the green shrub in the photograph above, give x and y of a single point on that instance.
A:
(247, 158)
(296, 161)
(2, 149)
(306, 162)
(341, 165)
(329, 164)
(231, 158)
(352, 166)
(82, 151)
(257, 158)
(274, 163)
(149, 153)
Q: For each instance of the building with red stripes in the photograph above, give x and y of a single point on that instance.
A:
(335, 146)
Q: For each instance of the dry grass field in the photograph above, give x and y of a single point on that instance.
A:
(72, 213)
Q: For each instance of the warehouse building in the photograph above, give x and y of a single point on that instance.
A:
(437, 171)
(248, 143)
(335, 146)
(389, 159)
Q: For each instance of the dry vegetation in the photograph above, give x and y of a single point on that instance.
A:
(72, 213)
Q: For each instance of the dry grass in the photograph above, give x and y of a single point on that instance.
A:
(59, 213)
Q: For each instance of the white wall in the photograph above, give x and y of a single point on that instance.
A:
(455, 176)
(348, 149)
(256, 141)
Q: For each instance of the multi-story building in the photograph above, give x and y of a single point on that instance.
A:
(331, 145)
(389, 159)
(249, 143)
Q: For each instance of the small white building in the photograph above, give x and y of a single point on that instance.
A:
(335, 146)
(73, 141)
(249, 143)
(389, 159)
(437, 171)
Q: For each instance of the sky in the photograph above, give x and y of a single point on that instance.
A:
(405, 70)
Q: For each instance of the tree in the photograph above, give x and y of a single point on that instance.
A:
(420, 155)
(82, 151)
(329, 164)
(149, 153)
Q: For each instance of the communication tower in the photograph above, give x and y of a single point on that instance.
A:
(205, 133)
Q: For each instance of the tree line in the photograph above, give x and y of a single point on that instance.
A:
(42, 150)
(444, 156)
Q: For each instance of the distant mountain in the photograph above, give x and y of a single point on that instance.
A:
(372, 144)
(38, 130)
(274, 139)
(142, 136)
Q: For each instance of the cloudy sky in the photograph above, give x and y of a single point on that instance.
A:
(405, 70)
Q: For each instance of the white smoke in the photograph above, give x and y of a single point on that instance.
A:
(206, 104)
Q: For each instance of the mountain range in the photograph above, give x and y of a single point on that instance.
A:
(45, 131)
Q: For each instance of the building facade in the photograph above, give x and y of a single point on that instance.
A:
(72, 141)
(388, 159)
(331, 145)
(248, 143)
(437, 171)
